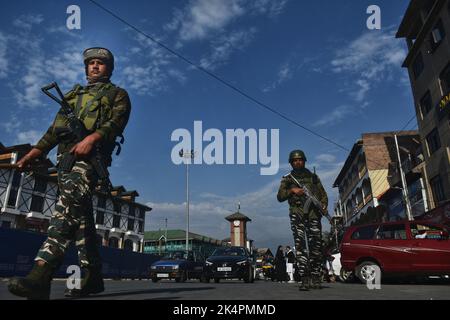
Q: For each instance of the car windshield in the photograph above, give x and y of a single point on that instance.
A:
(175, 255)
(229, 252)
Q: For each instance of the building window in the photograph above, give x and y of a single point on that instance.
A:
(426, 104)
(128, 245)
(37, 203)
(40, 185)
(14, 189)
(436, 36)
(131, 211)
(100, 217)
(445, 80)
(117, 206)
(142, 213)
(116, 221)
(113, 242)
(101, 203)
(141, 226)
(437, 188)
(433, 141)
(418, 66)
(130, 225)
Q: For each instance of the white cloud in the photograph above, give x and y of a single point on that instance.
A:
(335, 116)
(224, 46)
(285, 73)
(326, 157)
(177, 75)
(201, 17)
(4, 63)
(271, 7)
(30, 136)
(371, 58)
(28, 20)
(28, 94)
(67, 67)
(213, 19)
(144, 80)
(12, 124)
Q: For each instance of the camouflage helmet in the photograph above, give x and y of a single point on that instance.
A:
(99, 53)
(297, 154)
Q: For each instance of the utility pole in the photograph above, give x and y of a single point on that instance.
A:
(405, 187)
(188, 156)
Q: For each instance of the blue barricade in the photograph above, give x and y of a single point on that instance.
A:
(18, 249)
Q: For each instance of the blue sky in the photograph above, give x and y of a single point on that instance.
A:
(314, 61)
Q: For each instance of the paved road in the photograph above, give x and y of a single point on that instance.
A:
(260, 290)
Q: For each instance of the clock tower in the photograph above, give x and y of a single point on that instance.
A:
(238, 224)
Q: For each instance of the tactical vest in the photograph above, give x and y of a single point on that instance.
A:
(309, 179)
(93, 106)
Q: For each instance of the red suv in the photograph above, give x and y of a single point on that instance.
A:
(407, 247)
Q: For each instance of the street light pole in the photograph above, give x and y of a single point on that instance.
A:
(188, 156)
(165, 247)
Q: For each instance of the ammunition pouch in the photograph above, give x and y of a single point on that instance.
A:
(66, 162)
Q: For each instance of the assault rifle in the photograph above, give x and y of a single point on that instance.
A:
(312, 199)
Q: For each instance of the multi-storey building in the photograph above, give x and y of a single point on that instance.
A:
(426, 28)
(27, 201)
(364, 178)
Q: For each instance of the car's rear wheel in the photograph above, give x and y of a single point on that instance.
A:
(368, 272)
(155, 280)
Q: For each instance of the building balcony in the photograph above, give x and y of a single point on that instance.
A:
(409, 166)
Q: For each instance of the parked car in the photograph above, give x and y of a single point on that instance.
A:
(396, 248)
(230, 263)
(178, 265)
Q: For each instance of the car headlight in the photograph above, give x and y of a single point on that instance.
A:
(241, 263)
(175, 267)
(153, 267)
(208, 263)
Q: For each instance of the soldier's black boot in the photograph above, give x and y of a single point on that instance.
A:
(92, 283)
(304, 284)
(36, 285)
(316, 283)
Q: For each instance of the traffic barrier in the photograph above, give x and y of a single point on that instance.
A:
(18, 249)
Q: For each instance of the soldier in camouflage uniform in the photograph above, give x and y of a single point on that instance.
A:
(305, 221)
(104, 109)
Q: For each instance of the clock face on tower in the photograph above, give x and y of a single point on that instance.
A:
(236, 223)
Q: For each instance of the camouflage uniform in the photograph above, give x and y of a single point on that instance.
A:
(103, 108)
(308, 253)
(73, 217)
